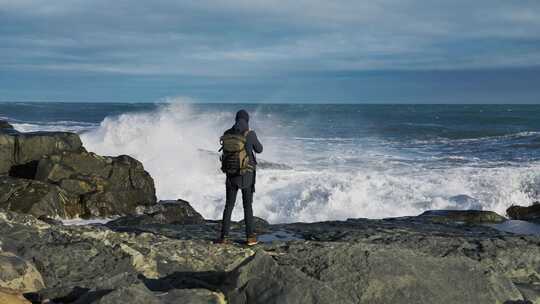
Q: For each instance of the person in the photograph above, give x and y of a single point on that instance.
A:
(243, 180)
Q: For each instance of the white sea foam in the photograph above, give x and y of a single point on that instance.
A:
(70, 126)
(169, 143)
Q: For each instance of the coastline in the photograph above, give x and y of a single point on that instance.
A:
(160, 252)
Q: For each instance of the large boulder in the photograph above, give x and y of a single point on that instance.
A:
(18, 274)
(106, 186)
(24, 149)
(177, 212)
(530, 213)
(37, 198)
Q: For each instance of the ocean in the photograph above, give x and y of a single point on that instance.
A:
(322, 162)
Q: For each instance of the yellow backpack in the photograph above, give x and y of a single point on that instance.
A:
(234, 157)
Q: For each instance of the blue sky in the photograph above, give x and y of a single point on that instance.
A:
(399, 51)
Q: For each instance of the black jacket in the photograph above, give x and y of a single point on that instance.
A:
(253, 145)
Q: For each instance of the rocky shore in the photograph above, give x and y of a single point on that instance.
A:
(162, 252)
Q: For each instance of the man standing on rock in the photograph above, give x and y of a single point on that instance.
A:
(239, 145)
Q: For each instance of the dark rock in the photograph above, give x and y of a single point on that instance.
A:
(106, 186)
(466, 216)
(21, 148)
(177, 212)
(397, 260)
(37, 198)
(134, 294)
(5, 125)
(530, 213)
(262, 280)
(261, 225)
(91, 256)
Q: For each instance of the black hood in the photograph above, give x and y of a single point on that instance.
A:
(242, 114)
(242, 121)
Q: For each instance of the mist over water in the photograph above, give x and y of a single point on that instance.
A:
(343, 161)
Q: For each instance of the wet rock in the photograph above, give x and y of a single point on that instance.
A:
(530, 213)
(37, 198)
(261, 225)
(18, 274)
(466, 216)
(106, 186)
(177, 212)
(5, 125)
(18, 148)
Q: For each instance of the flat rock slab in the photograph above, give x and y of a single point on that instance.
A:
(466, 216)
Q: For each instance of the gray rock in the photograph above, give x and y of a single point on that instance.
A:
(262, 280)
(106, 186)
(466, 216)
(261, 225)
(19, 149)
(18, 274)
(530, 213)
(37, 198)
(177, 212)
(367, 273)
(133, 294)
(398, 260)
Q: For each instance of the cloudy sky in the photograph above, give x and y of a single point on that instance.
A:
(434, 51)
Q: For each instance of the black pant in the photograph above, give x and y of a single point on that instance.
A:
(247, 199)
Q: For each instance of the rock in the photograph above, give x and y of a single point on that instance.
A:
(84, 256)
(106, 186)
(18, 274)
(20, 149)
(37, 198)
(530, 213)
(5, 125)
(396, 260)
(134, 294)
(262, 280)
(177, 212)
(8, 296)
(466, 216)
(192, 296)
(261, 225)
(380, 273)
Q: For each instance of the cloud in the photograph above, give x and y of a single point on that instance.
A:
(249, 38)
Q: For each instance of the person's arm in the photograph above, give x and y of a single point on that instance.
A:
(257, 146)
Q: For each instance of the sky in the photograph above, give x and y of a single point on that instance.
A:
(319, 51)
